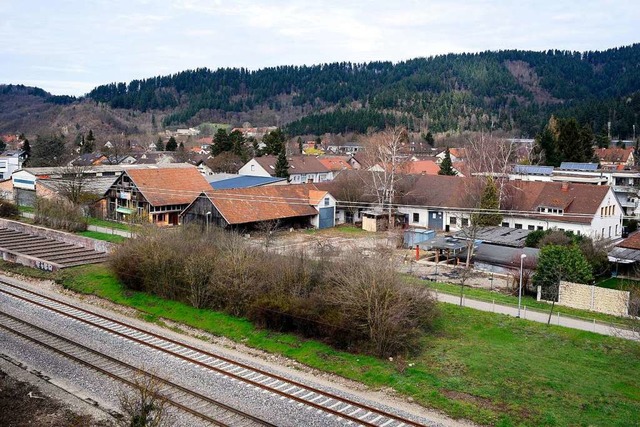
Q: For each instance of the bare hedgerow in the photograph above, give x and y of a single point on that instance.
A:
(371, 294)
(352, 302)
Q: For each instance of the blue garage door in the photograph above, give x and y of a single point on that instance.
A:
(326, 217)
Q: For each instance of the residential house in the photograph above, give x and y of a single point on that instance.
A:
(625, 183)
(11, 161)
(445, 203)
(89, 159)
(456, 154)
(302, 169)
(154, 193)
(247, 208)
(615, 157)
(625, 256)
(336, 164)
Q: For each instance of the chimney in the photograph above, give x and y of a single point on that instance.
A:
(565, 186)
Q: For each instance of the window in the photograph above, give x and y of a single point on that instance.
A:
(465, 222)
(540, 227)
(609, 231)
(453, 220)
(253, 167)
(602, 235)
(416, 217)
(504, 224)
(326, 201)
(530, 227)
(518, 226)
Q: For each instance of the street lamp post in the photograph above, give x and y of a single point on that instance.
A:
(522, 257)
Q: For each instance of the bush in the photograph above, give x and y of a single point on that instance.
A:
(352, 303)
(59, 214)
(8, 209)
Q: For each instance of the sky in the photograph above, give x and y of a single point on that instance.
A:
(68, 47)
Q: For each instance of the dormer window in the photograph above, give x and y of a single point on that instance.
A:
(549, 210)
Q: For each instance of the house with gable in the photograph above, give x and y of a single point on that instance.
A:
(444, 203)
(615, 157)
(246, 208)
(155, 193)
(302, 169)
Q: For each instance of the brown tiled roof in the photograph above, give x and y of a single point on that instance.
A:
(245, 205)
(578, 199)
(631, 242)
(169, 185)
(614, 155)
(579, 202)
(335, 163)
(297, 164)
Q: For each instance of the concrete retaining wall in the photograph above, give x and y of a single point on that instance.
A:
(594, 298)
(61, 236)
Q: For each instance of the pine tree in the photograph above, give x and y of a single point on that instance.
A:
(446, 167)
(159, 145)
(3, 145)
(26, 147)
(282, 165)
(489, 202)
(300, 146)
(172, 144)
(89, 143)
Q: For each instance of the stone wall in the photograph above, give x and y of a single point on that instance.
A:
(61, 236)
(594, 298)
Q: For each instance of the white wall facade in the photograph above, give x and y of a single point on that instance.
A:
(328, 201)
(253, 168)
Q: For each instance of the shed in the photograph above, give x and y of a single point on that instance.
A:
(415, 236)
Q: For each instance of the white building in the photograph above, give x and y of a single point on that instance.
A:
(10, 161)
(302, 169)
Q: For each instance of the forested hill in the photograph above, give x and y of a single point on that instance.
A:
(512, 90)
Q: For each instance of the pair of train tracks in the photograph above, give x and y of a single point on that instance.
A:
(324, 402)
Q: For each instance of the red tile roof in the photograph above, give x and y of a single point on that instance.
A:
(245, 205)
(631, 242)
(335, 163)
(170, 185)
(422, 167)
(614, 155)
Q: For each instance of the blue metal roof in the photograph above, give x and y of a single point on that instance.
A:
(244, 181)
(574, 166)
(534, 170)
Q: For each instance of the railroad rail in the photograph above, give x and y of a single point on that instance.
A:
(323, 401)
(196, 404)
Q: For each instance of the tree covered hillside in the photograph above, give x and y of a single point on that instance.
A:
(512, 90)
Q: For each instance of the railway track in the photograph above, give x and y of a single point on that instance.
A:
(330, 404)
(193, 403)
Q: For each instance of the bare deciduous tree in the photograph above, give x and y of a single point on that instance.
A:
(142, 405)
(387, 164)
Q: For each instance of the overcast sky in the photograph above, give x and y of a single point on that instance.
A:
(70, 46)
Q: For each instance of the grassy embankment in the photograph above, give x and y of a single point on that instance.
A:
(527, 301)
(489, 368)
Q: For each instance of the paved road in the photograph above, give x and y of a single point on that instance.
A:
(538, 316)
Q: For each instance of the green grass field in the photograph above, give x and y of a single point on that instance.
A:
(109, 224)
(492, 369)
(113, 238)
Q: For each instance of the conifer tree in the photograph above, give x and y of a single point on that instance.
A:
(282, 165)
(446, 167)
(489, 202)
(172, 144)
